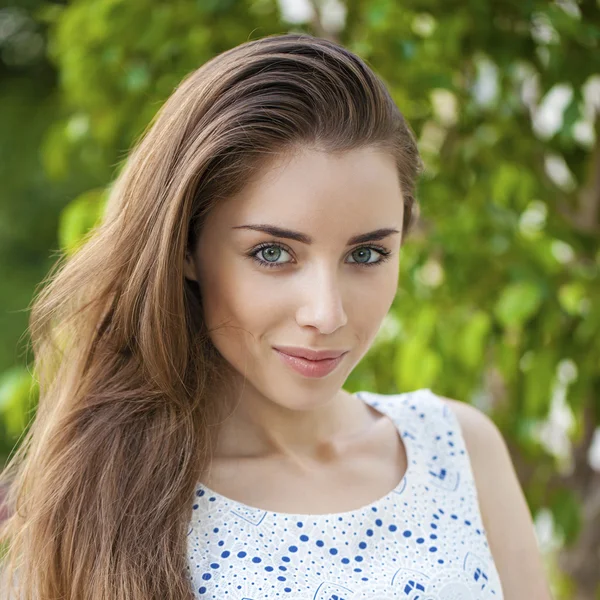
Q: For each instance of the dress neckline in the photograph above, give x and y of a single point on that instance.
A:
(374, 400)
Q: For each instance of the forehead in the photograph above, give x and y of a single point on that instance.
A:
(321, 190)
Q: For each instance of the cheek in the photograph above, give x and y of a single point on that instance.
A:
(373, 306)
(371, 302)
(239, 303)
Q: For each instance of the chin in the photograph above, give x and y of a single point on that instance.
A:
(304, 399)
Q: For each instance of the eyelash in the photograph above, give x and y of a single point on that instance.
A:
(385, 255)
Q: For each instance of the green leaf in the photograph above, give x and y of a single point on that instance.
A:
(565, 507)
(470, 343)
(518, 302)
(79, 217)
(16, 385)
(539, 380)
(137, 77)
(415, 365)
(571, 296)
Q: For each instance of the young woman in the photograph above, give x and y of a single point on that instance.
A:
(192, 437)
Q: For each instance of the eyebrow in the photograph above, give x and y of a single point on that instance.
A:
(371, 236)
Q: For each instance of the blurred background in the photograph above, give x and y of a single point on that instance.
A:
(499, 296)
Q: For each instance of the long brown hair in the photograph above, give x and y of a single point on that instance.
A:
(101, 489)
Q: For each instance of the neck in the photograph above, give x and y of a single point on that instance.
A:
(260, 428)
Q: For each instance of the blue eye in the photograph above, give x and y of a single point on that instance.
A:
(383, 253)
(272, 250)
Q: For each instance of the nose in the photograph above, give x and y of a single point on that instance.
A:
(322, 302)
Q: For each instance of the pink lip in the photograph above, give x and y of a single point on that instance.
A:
(310, 368)
(308, 353)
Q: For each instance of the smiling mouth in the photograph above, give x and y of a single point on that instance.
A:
(310, 368)
(308, 353)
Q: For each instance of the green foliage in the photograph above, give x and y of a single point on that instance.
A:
(517, 303)
(15, 385)
(79, 217)
(472, 340)
(416, 365)
(566, 509)
(18, 392)
(127, 58)
(499, 284)
(496, 220)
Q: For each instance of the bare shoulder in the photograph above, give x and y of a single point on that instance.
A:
(505, 513)
(475, 425)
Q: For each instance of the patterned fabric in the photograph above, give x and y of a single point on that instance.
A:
(424, 540)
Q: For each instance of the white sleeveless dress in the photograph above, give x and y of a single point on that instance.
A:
(425, 540)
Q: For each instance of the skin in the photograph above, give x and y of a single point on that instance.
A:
(320, 296)
(327, 449)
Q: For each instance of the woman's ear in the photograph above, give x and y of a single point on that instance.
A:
(189, 270)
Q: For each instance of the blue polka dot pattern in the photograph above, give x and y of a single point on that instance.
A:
(425, 539)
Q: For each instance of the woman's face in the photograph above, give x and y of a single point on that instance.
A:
(319, 291)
